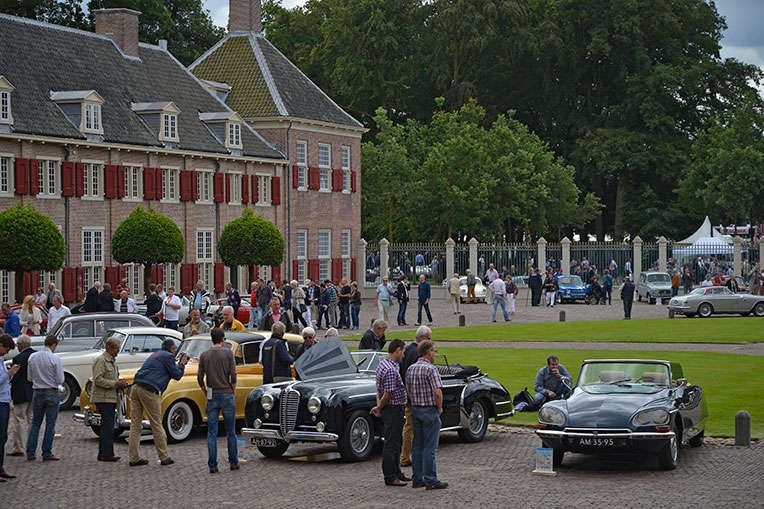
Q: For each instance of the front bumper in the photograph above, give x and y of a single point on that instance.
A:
(291, 436)
(624, 440)
(90, 418)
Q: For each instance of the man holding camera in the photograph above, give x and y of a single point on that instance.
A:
(549, 381)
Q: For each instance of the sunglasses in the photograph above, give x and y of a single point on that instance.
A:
(309, 337)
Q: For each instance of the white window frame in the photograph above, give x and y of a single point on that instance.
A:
(201, 176)
(328, 253)
(264, 272)
(133, 182)
(325, 167)
(264, 190)
(91, 275)
(93, 189)
(51, 168)
(345, 157)
(233, 134)
(170, 173)
(6, 115)
(171, 272)
(91, 118)
(302, 244)
(170, 126)
(205, 245)
(92, 247)
(345, 237)
(6, 167)
(346, 184)
(7, 289)
(207, 274)
(134, 275)
(235, 188)
(301, 158)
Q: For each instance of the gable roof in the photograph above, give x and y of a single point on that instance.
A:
(264, 83)
(40, 58)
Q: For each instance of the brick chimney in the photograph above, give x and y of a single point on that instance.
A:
(245, 15)
(122, 25)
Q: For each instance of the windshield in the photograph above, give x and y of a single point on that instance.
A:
(698, 291)
(196, 347)
(658, 278)
(620, 377)
(570, 280)
(101, 344)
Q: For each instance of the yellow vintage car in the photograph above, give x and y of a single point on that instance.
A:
(183, 402)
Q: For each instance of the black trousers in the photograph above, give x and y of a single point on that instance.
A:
(106, 443)
(393, 418)
(535, 296)
(419, 311)
(627, 307)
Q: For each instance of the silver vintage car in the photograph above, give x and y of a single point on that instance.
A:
(653, 285)
(707, 300)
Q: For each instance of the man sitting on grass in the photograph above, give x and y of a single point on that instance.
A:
(549, 383)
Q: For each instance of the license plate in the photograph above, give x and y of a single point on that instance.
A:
(263, 442)
(95, 420)
(596, 442)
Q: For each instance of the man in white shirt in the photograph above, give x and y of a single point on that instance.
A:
(170, 309)
(46, 372)
(125, 304)
(57, 312)
(499, 291)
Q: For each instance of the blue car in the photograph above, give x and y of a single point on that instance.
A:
(571, 288)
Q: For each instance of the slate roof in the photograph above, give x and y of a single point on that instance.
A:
(38, 58)
(265, 83)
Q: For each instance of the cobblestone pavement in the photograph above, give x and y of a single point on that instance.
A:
(493, 473)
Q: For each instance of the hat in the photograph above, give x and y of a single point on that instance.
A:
(309, 330)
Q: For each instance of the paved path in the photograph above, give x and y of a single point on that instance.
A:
(494, 473)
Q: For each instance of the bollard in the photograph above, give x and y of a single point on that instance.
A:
(743, 428)
(562, 315)
(462, 320)
(671, 313)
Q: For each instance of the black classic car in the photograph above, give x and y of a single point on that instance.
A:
(626, 406)
(337, 390)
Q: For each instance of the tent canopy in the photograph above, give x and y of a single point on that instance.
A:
(705, 230)
(704, 246)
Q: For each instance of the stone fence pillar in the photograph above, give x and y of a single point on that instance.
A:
(637, 242)
(384, 259)
(737, 255)
(450, 258)
(473, 255)
(565, 255)
(541, 254)
(360, 266)
(662, 254)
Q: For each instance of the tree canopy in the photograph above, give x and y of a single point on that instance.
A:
(250, 240)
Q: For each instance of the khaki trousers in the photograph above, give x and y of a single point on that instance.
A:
(455, 302)
(408, 437)
(471, 294)
(143, 400)
(21, 419)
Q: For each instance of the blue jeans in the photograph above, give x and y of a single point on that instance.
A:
(261, 311)
(252, 318)
(5, 415)
(560, 391)
(221, 403)
(44, 404)
(608, 297)
(402, 312)
(425, 447)
(499, 299)
(344, 315)
(171, 324)
(106, 443)
(355, 312)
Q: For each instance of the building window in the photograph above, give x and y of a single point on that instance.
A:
(324, 253)
(133, 183)
(5, 107)
(6, 176)
(169, 184)
(302, 244)
(93, 117)
(91, 180)
(206, 270)
(170, 126)
(264, 190)
(345, 181)
(91, 275)
(302, 271)
(92, 247)
(171, 275)
(324, 179)
(235, 188)
(302, 153)
(133, 275)
(345, 158)
(203, 186)
(204, 245)
(47, 172)
(345, 253)
(302, 165)
(234, 134)
(324, 156)
(264, 272)
(5, 286)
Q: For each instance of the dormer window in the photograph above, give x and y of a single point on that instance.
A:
(161, 118)
(170, 123)
(234, 134)
(225, 126)
(82, 108)
(6, 116)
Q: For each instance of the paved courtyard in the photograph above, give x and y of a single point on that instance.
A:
(493, 473)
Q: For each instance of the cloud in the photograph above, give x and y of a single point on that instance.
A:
(219, 9)
(748, 54)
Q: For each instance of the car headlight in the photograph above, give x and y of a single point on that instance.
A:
(266, 401)
(314, 405)
(551, 415)
(651, 417)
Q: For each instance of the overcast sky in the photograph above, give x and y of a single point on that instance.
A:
(743, 39)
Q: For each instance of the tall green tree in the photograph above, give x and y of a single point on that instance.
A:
(250, 240)
(60, 12)
(31, 241)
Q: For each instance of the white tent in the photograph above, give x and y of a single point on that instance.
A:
(705, 230)
(704, 246)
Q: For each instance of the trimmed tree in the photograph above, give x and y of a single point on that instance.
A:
(148, 238)
(30, 241)
(251, 240)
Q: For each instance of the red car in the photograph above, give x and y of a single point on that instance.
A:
(242, 315)
(43, 312)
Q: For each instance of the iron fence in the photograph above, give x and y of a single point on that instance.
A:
(650, 255)
(461, 260)
(515, 259)
(372, 265)
(554, 256)
(614, 256)
(415, 260)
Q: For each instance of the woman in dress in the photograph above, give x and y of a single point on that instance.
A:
(31, 318)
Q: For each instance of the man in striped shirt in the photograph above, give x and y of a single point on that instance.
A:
(391, 402)
(425, 392)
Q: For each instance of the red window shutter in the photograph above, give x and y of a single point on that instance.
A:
(194, 186)
(276, 274)
(160, 275)
(255, 189)
(120, 181)
(296, 269)
(313, 178)
(313, 270)
(185, 185)
(110, 181)
(80, 283)
(159, 189)
(79, 179)
(194, 274)
(149, 183)
(336, 180)
(186, 276)
(353, 181)
(154, 273)
(276, 190)
(336, 269)
(219, 277)
(353, 267)
(254, 273)
(295, 176)
(219, 180)
(70, 284)
(34, 177)
(112, 277)
(227, 187)
(28, 284)
(245, 189)
(67, 178)
(122, 271)
(21, 176)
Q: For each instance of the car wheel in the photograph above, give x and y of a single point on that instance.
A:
(69, 395)
(358, 438)
(274, 452)
(758, 309)
(705, 310)
(178, 421)
(478, 424)
(557, 456)
(649, 299)
(697, 440)
(668, 457)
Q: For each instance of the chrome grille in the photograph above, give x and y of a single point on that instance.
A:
(288, 403)
(598, 431)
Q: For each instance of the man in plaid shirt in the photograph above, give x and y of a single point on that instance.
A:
(424, 388)
(391, 402)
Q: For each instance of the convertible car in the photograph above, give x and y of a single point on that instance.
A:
(571, 289)
(623, 407)
(707, 300)
(183, 402)
(337, 390)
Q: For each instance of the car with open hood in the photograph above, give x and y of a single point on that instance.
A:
(626, 406)
(337, 389)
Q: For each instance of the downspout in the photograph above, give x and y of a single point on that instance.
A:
(66, 214)
(217, 228)
(288, 186)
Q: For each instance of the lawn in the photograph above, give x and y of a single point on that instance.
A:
(695, 330)
(721, 376)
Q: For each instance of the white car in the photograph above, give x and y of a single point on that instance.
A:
(138, 343)
(480, 289)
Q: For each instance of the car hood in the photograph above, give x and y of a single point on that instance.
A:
(326, 388)
(572, 287)
(80, 357)
(659, 286)
(586, 410)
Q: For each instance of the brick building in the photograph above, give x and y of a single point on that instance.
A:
(93, 125)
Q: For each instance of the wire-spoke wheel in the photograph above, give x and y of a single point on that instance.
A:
(478, 424)
(358, 439)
